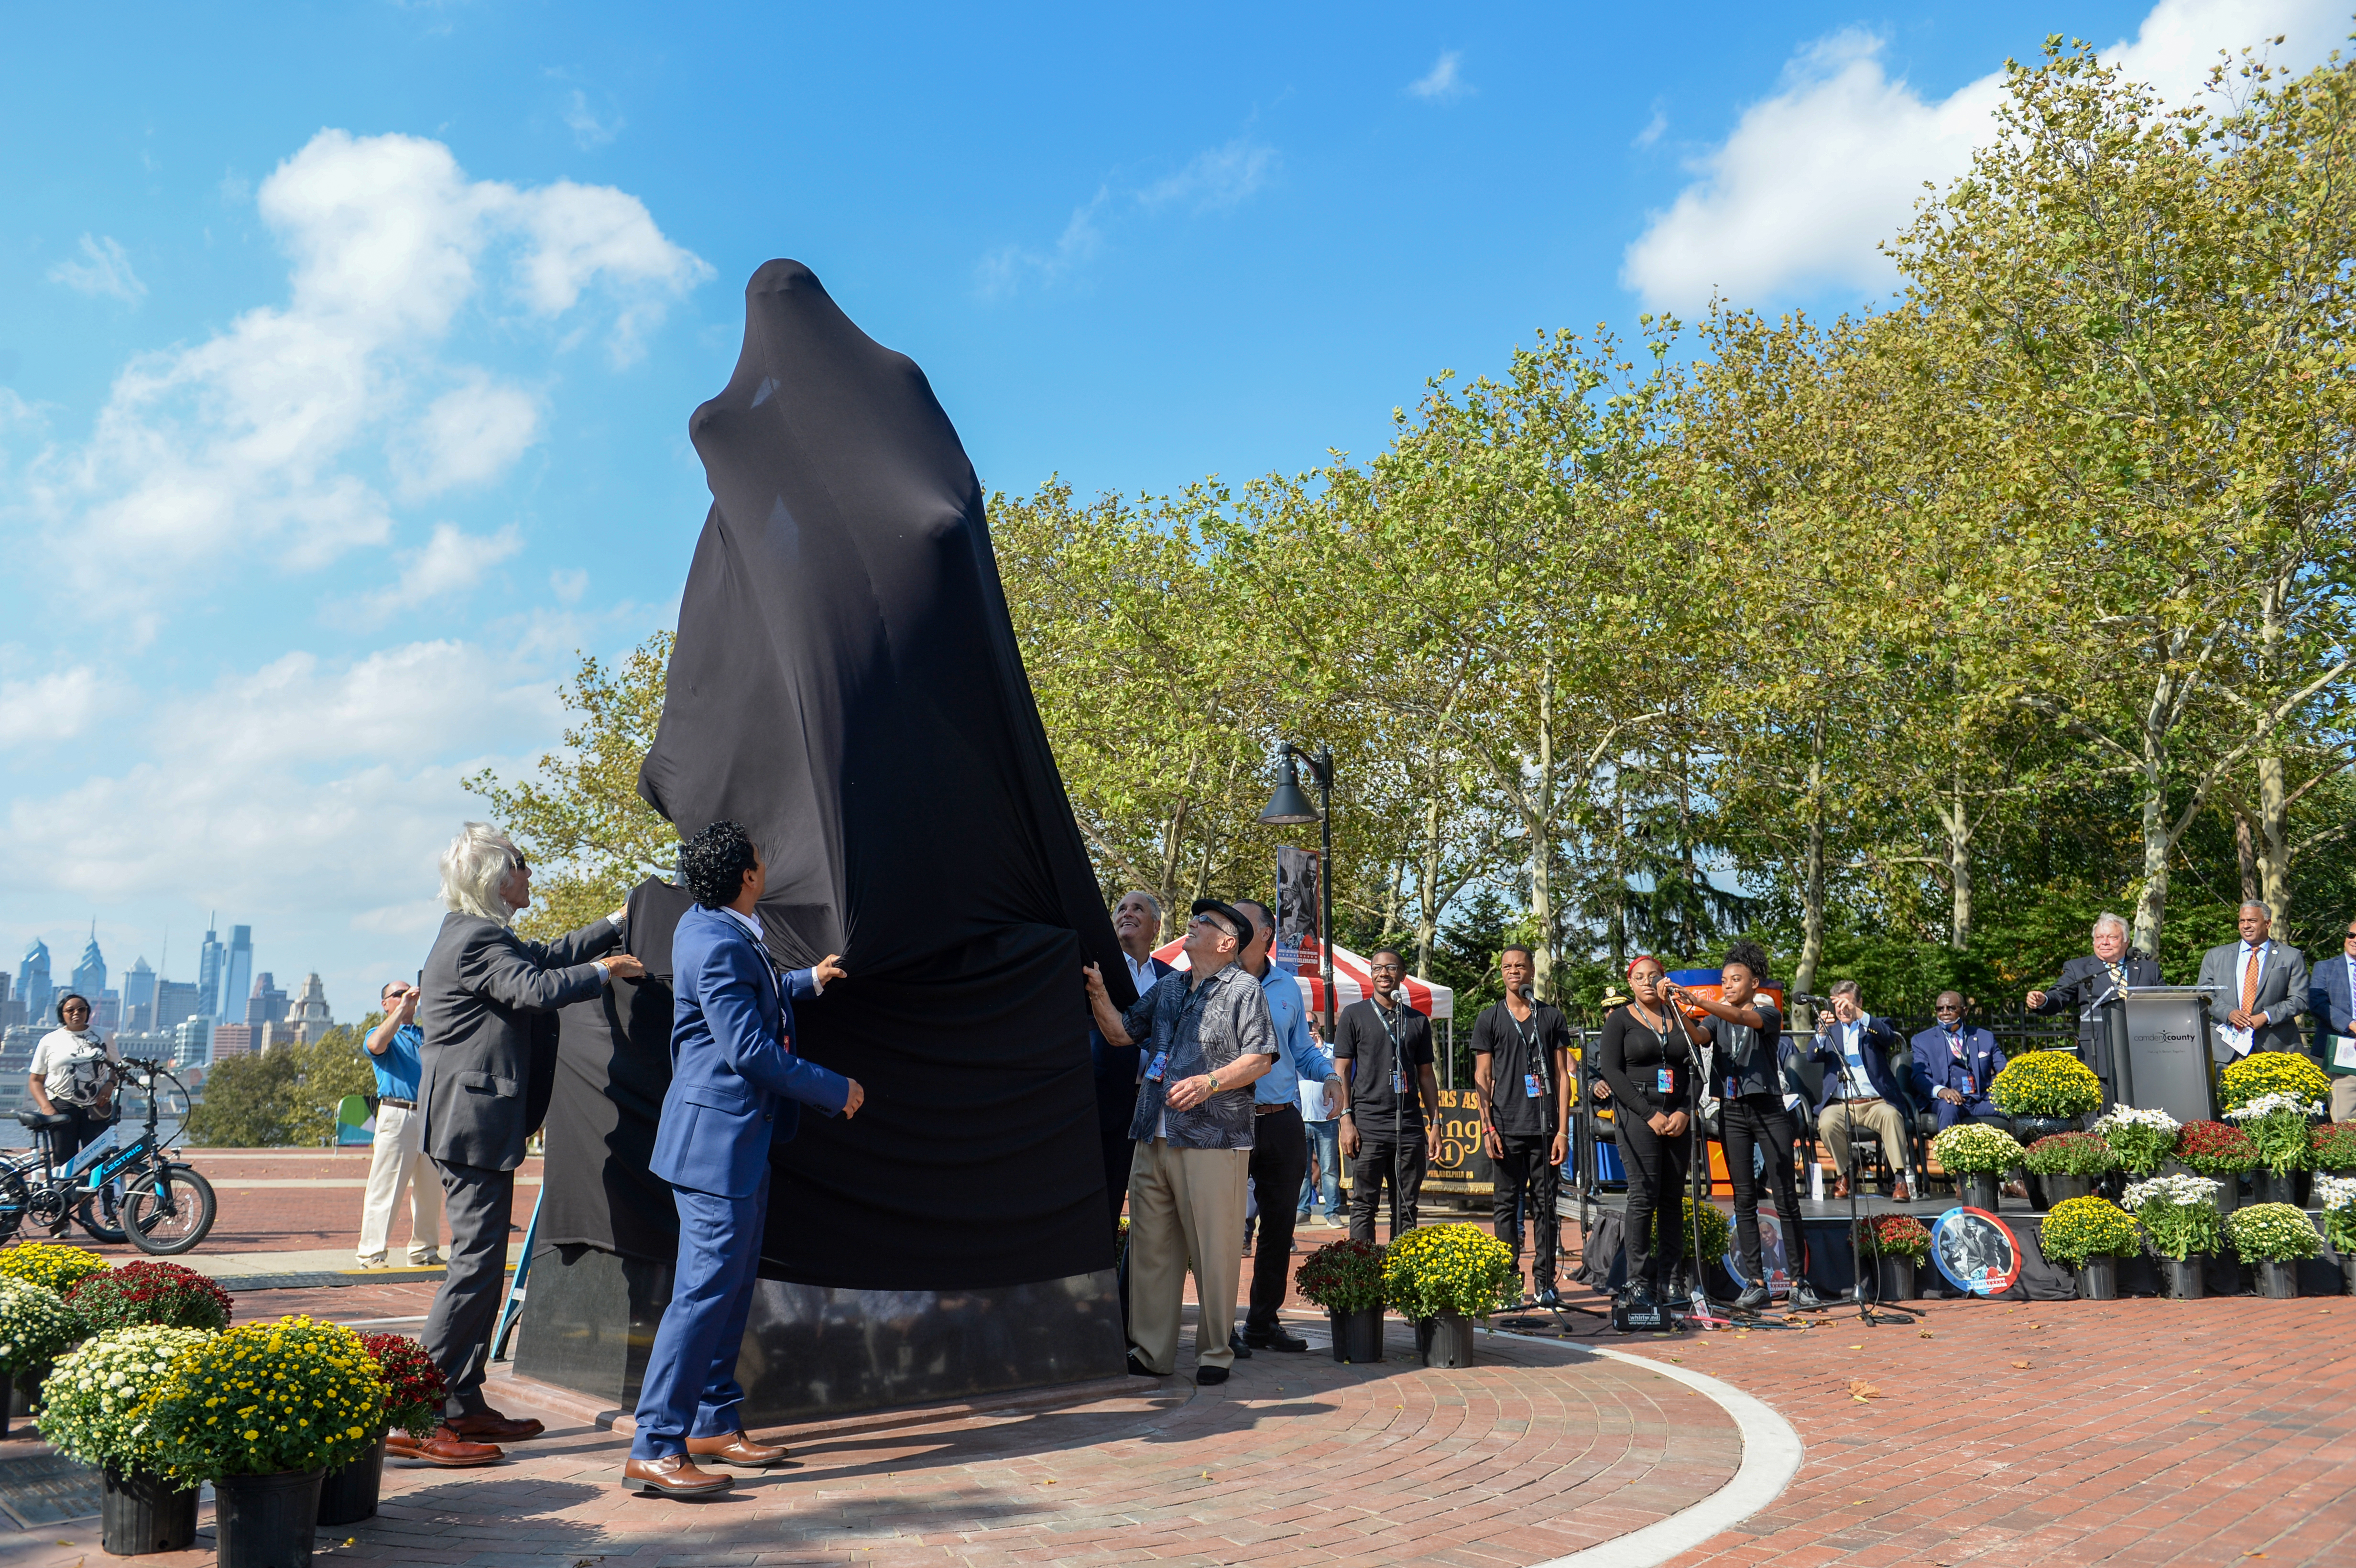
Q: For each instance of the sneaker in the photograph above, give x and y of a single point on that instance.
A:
(1804, 1297)
(376, 1262)
(1752, 1298)
(1335, 1222)
(431, 1260)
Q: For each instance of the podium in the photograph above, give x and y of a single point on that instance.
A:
(2163, 1040)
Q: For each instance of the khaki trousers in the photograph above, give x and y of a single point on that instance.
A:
(399, 1161)
(1878, 1116)
(1183, 1203)
(2343, 1099)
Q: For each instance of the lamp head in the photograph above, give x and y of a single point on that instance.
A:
(1288, 807)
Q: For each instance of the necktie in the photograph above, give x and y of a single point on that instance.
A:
(2250, 981)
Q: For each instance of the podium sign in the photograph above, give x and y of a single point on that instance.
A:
(2166, 1064)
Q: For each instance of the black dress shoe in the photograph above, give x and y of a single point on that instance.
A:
(1137, 1368)
(1550, 1298)
(1205, 1376)
(1275, 1340)
(1236, 1343)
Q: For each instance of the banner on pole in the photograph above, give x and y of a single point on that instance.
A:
(1297, 904)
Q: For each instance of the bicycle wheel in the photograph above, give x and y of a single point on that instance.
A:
(14, 1199)
(101, 1214)
(168, 1211)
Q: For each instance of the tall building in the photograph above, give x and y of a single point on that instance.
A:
(139, 995)
(210, 956)
(192, 1042)
(11, 1008)
(308, 1017)
(236, 974)
(268, 1003)
(178, 999)
(90, 975)
(233, 1040)
(33, 982)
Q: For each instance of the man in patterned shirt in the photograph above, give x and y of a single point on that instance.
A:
(1204, 1039)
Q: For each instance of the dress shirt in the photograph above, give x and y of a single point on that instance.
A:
(761, 941)
(1297, 1056)
(1141, 973)
(1857, 1084)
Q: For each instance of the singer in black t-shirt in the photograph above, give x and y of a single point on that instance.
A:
(1647, 1054)
(1389, 1096)
(1520, 1051)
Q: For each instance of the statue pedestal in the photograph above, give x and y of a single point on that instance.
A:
(811, 1352)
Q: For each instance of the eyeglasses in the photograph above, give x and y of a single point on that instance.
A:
(1947, 1008)
(1386, 968)
(1211, 921)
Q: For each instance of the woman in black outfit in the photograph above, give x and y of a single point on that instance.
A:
(1647, 1056)
(1746, 1068)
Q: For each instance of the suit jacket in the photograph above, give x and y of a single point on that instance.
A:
(2333, 1009)
(1935, 1068)
(488, 1065)
(2282, 991)
(736, 1085)
(1116, 1073)
(1879, 1040)
(2086, 980)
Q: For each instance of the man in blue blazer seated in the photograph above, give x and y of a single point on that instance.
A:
(1860, 1089)
(1954, 1062)
(736, 1087)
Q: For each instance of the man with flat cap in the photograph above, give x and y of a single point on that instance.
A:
(1204, 1039)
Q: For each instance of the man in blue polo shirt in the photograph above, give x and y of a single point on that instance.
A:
(1280, 1159)
(399, 1158)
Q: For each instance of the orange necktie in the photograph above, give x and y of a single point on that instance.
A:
(2250, 980)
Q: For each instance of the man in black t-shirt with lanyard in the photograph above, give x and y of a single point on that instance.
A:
(1388, 1091)
(1519, 1068)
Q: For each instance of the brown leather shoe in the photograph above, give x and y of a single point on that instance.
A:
(445, 1448)
(674, 1476)
(1840, 1186)
(735, 1448)
(1900, 1193)
(491, 1427)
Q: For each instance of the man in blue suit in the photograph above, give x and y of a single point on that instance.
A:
(737, 1088)
(1954, 1062)
(2332, 1000)
(1859, 1090)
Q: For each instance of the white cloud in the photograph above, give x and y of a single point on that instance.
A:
(1653, 128)
(263, 437)
(1004, 271)
(104, 268)
(1215, 179)
(1444, 82)
(1814, 177)
(450, 565)
(569, 583)
(50, 707)
(588, 130)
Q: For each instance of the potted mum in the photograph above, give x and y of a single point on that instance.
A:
(2091, 1234)
(1977, 1155)
(2069, 1165)
(57, 1269)
(2272, 1237)
(2277, 1125)
(2218, 1149)
(162, 1294)
(414, 1389)
(2046, 1092)
(1716, 1240)
(1345, 1278)
(1444, 1276)
(263, 1411)
(2179, 1214)
(34, 1330)
(2142, 1139)
(95, 1410)
(2335, 1196)
(2331, 1149)
(1898, 1243)
(2264, 1073)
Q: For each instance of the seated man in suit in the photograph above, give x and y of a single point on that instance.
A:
(1860, 1089)
(2331, 998)
(2258, 983)
(735, 1088)
(1954, 1064)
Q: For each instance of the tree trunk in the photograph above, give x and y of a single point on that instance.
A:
(2151, 906)
(1956, 826)
(2245, 851)
(1812, 895)
(2273, 845)
(1427, 897)
(1538, 824)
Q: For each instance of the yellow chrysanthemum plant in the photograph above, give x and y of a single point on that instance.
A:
(49, 1265)
(265, 1398)
(1450, 1268)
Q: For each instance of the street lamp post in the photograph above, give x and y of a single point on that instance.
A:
(1288, 807)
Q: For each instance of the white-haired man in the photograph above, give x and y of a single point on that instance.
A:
(2089, 984)
(488, 1067)
(1136, 922)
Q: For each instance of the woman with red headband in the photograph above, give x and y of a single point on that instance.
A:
(1648, 1054)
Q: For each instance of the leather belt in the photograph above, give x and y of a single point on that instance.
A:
(397, 1105)
(1258, 1110)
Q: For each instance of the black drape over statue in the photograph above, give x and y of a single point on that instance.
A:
(846, 684)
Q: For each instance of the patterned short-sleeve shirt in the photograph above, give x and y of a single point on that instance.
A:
(1195, 1029)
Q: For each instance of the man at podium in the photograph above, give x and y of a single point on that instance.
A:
(2086, 983)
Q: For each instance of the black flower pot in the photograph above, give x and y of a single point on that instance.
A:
(23, 1398)
(348, 1495)
(1979, 1189)
(2277, 1280)
(266, 1521)
(2029, 1129)
(2270, 1187)
(1897, 1277)
(1445, 1341)
(2098, 1279)
(139, 1512)
(2060, 1189)
(2347, 1272)
(1357, 1336)
(2229, 1192)
(2187, 1278)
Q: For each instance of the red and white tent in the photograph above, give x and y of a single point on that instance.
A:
(1350, 981)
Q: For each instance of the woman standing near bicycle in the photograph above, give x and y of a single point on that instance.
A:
(69, 1078)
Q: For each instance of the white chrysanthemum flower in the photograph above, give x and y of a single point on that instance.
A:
(2267, 1105)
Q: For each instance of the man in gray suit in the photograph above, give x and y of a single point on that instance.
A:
(2258, 983)
(488, 1067)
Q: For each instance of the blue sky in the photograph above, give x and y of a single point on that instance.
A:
(347, 351)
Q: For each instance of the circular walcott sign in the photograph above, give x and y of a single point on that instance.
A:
(1771, 1258)
(1976, 1251)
